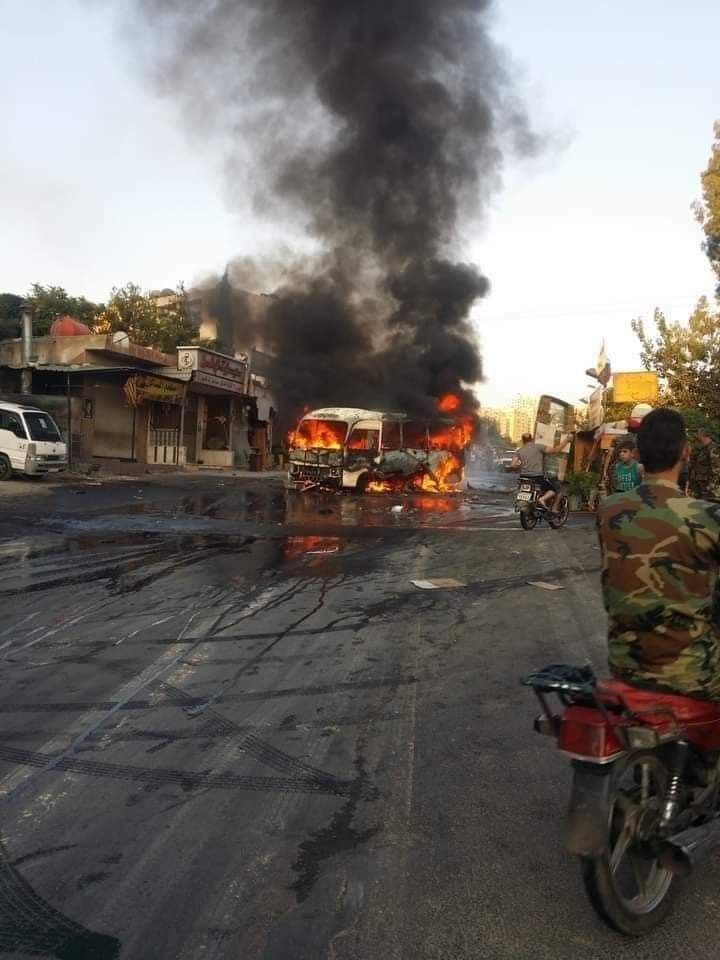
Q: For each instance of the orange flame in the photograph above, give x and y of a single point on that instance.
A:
(442, 480)
(318, 434)
(448, 403)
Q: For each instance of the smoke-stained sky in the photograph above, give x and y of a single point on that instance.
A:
(99, 184)
(382, 128)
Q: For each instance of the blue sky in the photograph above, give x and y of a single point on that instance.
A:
(99, 184)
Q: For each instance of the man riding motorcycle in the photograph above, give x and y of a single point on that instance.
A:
(529, 460)
(661, 558)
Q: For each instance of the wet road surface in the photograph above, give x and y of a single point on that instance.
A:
(232, 727)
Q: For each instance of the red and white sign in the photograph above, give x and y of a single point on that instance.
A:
(214, 369)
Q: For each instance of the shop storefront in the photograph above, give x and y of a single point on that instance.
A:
(160, 425)
(215, 409)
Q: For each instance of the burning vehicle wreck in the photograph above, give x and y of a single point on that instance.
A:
(371, 451)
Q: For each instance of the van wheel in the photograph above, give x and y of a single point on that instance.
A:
(5, 468)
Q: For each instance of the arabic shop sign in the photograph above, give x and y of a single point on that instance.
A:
(144, 386)
(214, 368)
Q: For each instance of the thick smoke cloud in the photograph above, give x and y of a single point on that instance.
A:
(380, 126)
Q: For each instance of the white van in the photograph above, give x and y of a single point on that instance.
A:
(30, 442)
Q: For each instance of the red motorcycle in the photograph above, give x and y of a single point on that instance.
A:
(645, 803)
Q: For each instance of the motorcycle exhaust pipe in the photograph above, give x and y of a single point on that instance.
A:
(682, 852)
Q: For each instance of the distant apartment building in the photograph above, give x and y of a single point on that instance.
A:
(522, 416)
(498, 418)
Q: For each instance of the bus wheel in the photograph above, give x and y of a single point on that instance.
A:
(361, 485)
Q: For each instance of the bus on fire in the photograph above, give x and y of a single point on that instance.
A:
(347, 448)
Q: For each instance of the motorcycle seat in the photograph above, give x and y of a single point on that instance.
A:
(685, 709)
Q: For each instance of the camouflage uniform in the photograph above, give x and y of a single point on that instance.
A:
(704, 472)
(661, 557)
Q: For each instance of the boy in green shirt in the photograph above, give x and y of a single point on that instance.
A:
(627, 473)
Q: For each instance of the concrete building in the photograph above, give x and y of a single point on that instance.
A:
(501, 418)
(116, 400)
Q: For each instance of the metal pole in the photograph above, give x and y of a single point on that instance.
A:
(69, 420)
(132, 441)
(26, 372)
(181, 438)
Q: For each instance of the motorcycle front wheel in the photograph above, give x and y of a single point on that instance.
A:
(528, 518)
(626, 885)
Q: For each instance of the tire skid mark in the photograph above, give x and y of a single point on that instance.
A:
(260, 750)
(109, 708)
(287, 725)
(29, 925)
(113, 706)
(117, 568)
(52, 631)
(334, 627)
(186, 779)
(151, 675)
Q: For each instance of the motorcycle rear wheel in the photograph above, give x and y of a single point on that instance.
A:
(630, 890)
(528, 518)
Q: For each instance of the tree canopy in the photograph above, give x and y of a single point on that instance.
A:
(50, 302)
(686, 357)
(9, 315)
(163, 322)
(707, 210)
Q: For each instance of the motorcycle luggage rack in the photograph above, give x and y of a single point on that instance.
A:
(578, 686)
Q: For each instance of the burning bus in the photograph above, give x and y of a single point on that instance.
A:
(372, 451)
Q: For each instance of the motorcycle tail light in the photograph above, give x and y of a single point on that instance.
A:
(586, 733)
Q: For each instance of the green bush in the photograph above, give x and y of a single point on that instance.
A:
(583, 482)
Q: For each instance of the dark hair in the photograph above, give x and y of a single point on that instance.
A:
(526, 436)
(626, 445)
(661, 439)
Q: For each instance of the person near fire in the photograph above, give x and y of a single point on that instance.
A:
(660, 565)
(704, 468)
(529, 460)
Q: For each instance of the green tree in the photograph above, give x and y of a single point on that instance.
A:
(49, 303)
(9, 315)
(707, 210)
(163, 321)
(176, 324)
(685, 357)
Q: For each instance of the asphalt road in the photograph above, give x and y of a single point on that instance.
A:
(231, 727)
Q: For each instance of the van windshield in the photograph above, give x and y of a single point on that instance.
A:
(42, 427)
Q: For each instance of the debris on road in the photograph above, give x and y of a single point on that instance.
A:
(545, 586)
(438, 583)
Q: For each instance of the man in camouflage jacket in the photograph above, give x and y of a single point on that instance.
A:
(704, 472)
(661, 558)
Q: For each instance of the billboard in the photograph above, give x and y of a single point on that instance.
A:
(641, 387)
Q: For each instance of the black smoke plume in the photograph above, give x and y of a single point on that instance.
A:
(380, 127)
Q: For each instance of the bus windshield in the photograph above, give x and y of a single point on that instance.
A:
(319, 435)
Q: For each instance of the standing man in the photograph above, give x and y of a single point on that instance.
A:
(529, 460)
(704, 471)
(661, 560)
